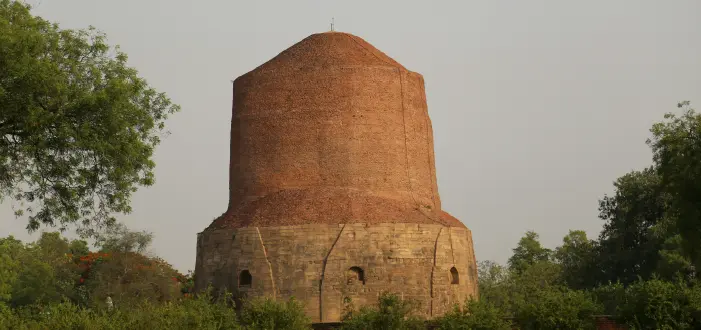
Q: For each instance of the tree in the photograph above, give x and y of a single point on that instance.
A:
(577, 257)
(494, 284)
(122, 271)
(119, 238)
(78, 247)
(557, 307)
(528, 252)
(640, 237)
(629, 243)
(657, 304)
(536, 298)
(490, 274)
(36, 278)
(55, 251)
(676, 147)
(265, 313)
(127, 278)
(476, 315)
(10, 266)
(78, 127)
(392, 313)
(38, 272)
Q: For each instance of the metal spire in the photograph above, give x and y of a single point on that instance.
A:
(332, 24)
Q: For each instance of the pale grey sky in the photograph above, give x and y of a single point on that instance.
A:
(537, 106)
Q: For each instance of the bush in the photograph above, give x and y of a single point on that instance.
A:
(196, 313)
(128, 278)
(536, 298)
(202, 312)
(8, 320)
(392, 313)
(267, 314)
(68, 316)
(557, 308)
(610, 296)
(477, 315)
(656, 304)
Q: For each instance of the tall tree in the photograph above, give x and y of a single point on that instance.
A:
(631, 238)
(119, 238)
(10, 266)
(78, 127)
(38, 272)
(577, 257)
(528, 252)
(676, 146)
(494, 283)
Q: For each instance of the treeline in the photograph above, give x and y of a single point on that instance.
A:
(641, 269)
(56, 283)
(54, 269)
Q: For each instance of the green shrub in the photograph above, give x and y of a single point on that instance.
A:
(656, 304)
(610, 296)
(8, 319)
(557, 308)
(477, 315)
(197, 313)
(392, 313)
(267, 314)
(201, 312)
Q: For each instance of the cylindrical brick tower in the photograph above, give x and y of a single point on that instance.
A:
(333, 195)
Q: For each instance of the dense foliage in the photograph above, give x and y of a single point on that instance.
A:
(642, 267)
(55, 283)
(78, 126)
(202, 312)
(475, 315)
(263, 314)
(53, 270)
(390, 313)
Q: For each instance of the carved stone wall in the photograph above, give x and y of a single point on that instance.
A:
(320, 265)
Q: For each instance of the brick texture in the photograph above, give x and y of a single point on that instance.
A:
(331, 131)
(333, 193)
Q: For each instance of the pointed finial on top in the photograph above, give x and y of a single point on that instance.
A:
(332, 24)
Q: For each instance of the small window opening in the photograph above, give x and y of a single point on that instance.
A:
(356, 275)
(454, 276)
(245, 279)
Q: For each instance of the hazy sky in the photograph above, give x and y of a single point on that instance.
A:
(537, 106)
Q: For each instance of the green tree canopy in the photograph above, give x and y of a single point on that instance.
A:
(10, 266)
(391, 313)
(38, 272)
(629, 244)
(528, 252)
(577, 257)
(676, 147)
(119, 238)
(78, 127)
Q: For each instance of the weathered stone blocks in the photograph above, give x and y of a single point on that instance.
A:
(321, 265)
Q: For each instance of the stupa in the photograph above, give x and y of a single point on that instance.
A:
(333, 194)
